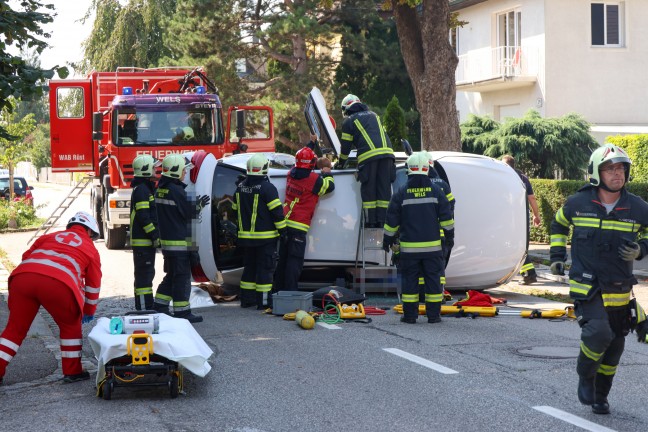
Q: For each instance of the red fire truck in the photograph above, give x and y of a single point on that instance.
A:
(101, 123)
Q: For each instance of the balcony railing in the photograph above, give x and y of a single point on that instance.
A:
(497, 64)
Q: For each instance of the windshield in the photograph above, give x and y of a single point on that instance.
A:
(174, 127)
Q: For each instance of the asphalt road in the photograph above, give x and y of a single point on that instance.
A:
(505, 373)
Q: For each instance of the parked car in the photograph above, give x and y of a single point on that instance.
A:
(22, 191)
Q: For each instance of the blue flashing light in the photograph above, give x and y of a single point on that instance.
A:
(200, 90)
(126, 91)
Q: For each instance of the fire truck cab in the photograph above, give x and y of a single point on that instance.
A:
(101, 123)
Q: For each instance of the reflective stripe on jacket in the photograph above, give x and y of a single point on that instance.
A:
(71, 257)
(303, 189)
(418, 211)
(143, 215)
(364, 130)
(260, 213)
(175, 214)
(596, 239)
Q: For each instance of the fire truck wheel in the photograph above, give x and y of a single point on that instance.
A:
(115, 238)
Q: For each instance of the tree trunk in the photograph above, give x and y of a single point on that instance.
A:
(431, 63)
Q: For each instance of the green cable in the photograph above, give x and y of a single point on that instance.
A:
(329, 318)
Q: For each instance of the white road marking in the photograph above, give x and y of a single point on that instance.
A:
(423, 362)
(572, 419)
(329, 326)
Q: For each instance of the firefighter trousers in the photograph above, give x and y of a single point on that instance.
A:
(27, 293)
(291, 261)
(175, 286)
(144, 265)
(376, 176)
(603, 331)
(431, 268)
(256, 280)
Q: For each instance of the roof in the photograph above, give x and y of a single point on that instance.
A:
(456, 5)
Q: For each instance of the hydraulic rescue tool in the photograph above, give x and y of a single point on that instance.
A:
(458, 310)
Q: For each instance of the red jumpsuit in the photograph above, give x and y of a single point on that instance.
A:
(61, 272)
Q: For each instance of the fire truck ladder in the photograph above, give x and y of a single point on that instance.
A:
(62, 207)
(380, 277)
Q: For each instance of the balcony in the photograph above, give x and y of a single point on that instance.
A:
(495, 69)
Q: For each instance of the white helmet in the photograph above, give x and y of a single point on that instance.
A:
(85, 219)
(418, 163)
(144, 166)
(257, 165)
(349, 100)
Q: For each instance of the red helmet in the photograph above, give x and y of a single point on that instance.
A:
(305, 158)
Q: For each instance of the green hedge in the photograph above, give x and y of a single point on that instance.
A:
(637, 148)
(551, 195)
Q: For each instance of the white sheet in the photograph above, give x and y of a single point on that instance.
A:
(177, 341)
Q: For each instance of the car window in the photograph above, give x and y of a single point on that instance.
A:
(19, 184)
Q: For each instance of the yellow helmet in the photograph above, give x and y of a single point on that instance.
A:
(174, 164)
(144, 166)
(257, 165)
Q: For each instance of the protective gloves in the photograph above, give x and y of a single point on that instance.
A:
(387, 244)
(642, 330)
(86, 319)
(339, 165)
(629, 251)
(558, 268)
(156, 243)
(202, 201)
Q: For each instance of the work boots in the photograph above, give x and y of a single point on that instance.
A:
(603, 385)
(586, 390)
(190, 317)
(84, 375)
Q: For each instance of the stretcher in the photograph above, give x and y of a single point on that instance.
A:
(144, 359)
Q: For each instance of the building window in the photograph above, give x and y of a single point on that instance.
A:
(607, 24)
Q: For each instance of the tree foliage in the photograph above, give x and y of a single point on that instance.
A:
(14, 149)
(394, 121)
(637, 148)
(21, 28)
(542, 147)
(126, 35)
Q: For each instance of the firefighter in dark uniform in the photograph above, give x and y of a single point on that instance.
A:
(447, 244)
(610, 232)
(260, 223)
(175, 216)
(418, 211)
(303, 190)
(527, 271)
(376, 170)
(144, 234)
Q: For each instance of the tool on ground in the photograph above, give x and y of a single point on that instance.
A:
(567, 312)
(468, 311)
(304, 320)
(352, 311)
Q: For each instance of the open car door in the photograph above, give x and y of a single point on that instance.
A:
(321, 124)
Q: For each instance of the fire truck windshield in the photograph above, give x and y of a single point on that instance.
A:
(173, 127)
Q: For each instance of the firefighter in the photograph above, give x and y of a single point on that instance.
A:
(527, 271)
(610, 231)
(376, 170)
(176, 214)
(261, 222)
(418, 211)
(61, 271)
(446, 243)
(303, 190)
(144, 234)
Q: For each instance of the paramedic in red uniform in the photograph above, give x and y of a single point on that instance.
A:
(303, 190)
(62, 273)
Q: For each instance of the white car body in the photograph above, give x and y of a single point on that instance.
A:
(490, 215)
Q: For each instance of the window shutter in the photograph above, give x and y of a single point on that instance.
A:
(612, 24)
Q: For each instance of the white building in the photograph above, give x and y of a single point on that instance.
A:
(557, 56)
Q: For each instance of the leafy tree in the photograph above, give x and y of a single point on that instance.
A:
(394, 121)
(423, 27)
(21, 28)
(126, 35)
(541, 146)
(38, 142)
(14, 149)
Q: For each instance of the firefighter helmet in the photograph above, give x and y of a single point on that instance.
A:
(349, 100)
(418, 163)
(605, 155)
(144, 166)
(428, 154)
(257, 165)
(86, 220)
(305, 158)
(174, 164)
